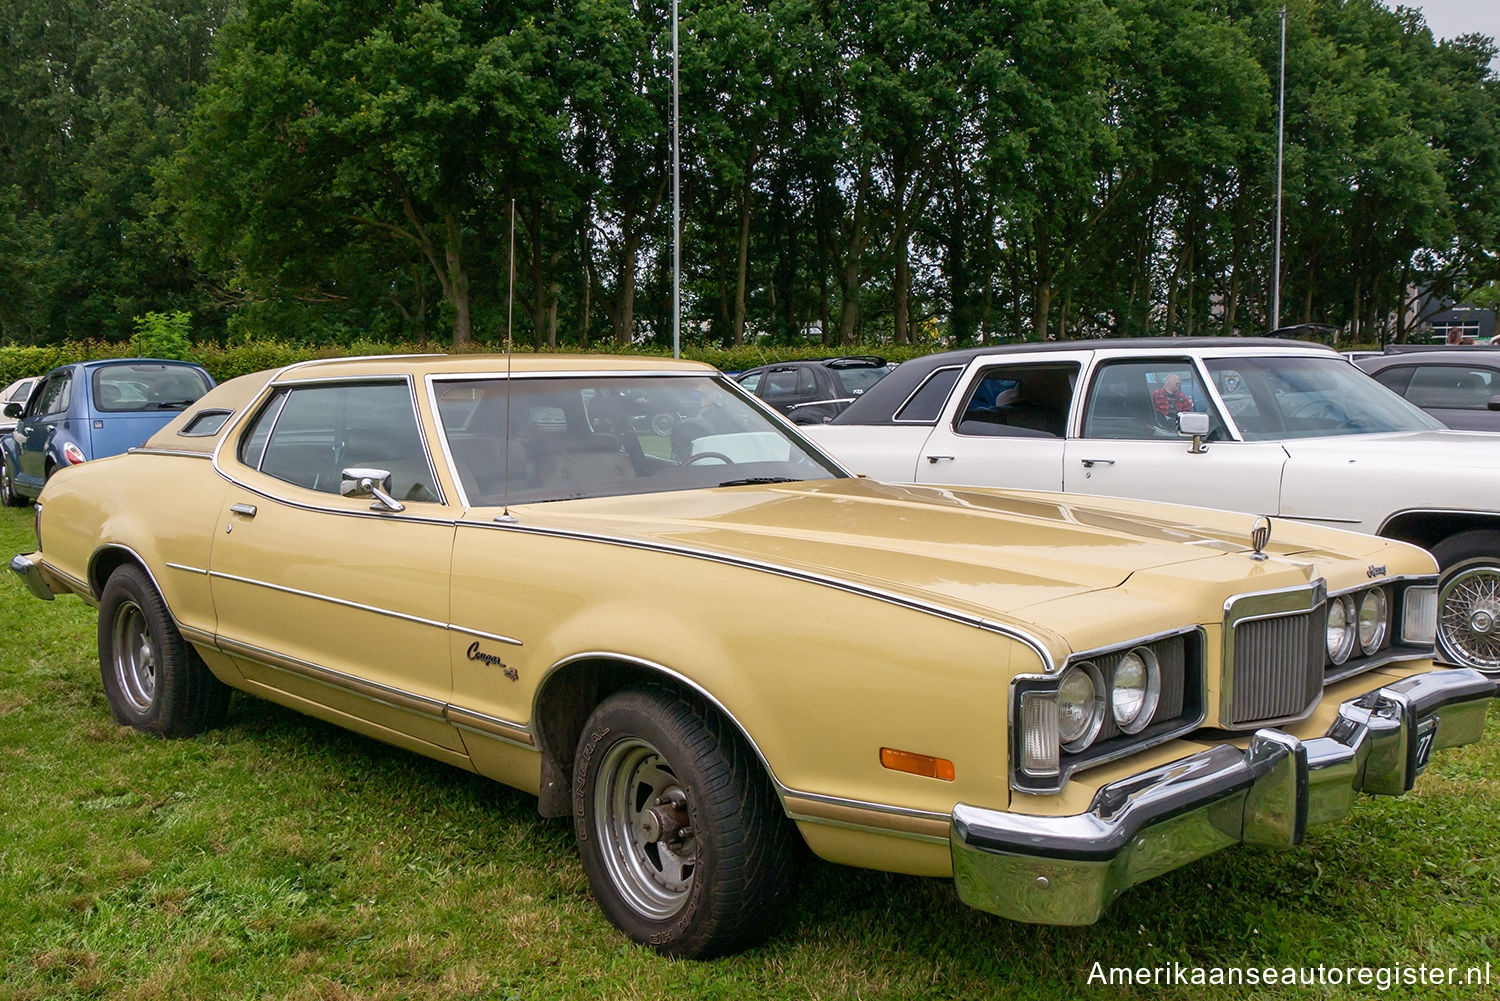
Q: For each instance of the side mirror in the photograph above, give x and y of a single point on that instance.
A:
(359, 481)
(1192, 424)
(1494, 403)
(14, 409)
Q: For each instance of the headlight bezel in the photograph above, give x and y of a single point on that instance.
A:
(1189, 707)
(1150, 695)
(1345, 649)
(1380, 621)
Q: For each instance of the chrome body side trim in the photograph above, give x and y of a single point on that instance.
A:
(186, 569)
(1066, 870)
(491, 726)
(374, 609)
(376, 692)
(849, 587)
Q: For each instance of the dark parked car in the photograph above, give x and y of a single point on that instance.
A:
(817, 390)
(88, 410)
(1458, 386)
(17, 392)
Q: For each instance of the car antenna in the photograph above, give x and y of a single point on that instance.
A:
(510, 300)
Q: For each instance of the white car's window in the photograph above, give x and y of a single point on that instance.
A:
(1020, 400)
(1141, 398)
(926, 404)
(310, 434)
(608, 435)
(1309, 397)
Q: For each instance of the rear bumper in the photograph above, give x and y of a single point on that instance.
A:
(1066, 870)
(30, 571)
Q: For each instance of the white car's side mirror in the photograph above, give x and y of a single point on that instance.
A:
(1195, 425)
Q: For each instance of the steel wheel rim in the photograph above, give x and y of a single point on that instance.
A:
(6, 490)
(640, 821)
(1469, 617)
(134, 656)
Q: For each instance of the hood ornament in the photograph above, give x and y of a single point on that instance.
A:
(1260, 537)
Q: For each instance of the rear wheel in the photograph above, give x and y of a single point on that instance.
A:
(153, 679)
(1469, 599)
(683, 840)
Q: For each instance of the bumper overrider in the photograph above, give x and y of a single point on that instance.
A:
(1066, 870)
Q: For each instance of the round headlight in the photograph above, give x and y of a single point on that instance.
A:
(1135, 690)
(1372, 619)
(1340, 629)
(1080, 706)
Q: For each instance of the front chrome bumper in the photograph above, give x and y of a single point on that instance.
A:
(30, 571)
(1066, 870)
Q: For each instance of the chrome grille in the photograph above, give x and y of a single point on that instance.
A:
(1277, 667)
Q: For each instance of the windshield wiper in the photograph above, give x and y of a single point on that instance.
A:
(172, 404)
(751, 480)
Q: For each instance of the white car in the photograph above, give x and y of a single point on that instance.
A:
(1286, 429)
(17, 392)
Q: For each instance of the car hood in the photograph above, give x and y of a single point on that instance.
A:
(985, 553)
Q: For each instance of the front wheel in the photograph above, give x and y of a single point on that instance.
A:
(153, 679)
(683, 840)
(1469, 599)
(8, 495)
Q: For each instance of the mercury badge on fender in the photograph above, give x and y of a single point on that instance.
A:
(630, 588)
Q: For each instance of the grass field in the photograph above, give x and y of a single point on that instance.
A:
(280, 857)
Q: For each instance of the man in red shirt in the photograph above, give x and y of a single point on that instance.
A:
(1169, 398)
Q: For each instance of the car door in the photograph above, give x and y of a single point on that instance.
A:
(1458, 394)
(1128, 445)
(331, 600)
(1006, 427)
(47, 411)
(787, 388)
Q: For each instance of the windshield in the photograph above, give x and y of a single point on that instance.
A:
(1309, 397)
(610, 435)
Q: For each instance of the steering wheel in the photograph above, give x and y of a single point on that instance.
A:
(1325, 408)
(697, 456)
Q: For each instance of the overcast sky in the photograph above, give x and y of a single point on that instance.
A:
(1451, 18)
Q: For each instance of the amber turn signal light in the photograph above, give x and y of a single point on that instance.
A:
(917, 764)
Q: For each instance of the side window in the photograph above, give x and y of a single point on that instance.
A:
(807, 383)
(54, 397)
(1453, 387)
(1395, 379)
(1020, 400)
(780, 385)
(751, 382)
(924, 406)
(1141, 400)
(309, 435)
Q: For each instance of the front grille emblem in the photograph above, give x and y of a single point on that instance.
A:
(1260, 537)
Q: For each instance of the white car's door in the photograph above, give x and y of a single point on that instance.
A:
(1006, 425)
(1128, 445)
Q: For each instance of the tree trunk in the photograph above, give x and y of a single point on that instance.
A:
(743, 265)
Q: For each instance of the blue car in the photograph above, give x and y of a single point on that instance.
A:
(87, 410)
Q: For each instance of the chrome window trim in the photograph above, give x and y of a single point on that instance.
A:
(849, 587)
(782, 790)
(1066, 769)
(895, 414)
(1254, 607)
(228, 416)
(1089, 380)
(176, 453)
(271, 387)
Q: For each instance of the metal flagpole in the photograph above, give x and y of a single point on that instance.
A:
(1280, 140)
(676, 206)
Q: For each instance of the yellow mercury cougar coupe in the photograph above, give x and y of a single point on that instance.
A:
(627, 586)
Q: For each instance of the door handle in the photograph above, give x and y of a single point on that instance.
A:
(1091, 463)
(939, 458)
(248, 510)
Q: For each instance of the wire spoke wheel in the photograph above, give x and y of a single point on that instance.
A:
(642, 822)
(1469, 616)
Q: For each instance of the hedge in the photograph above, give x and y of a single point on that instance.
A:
(225, 362)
